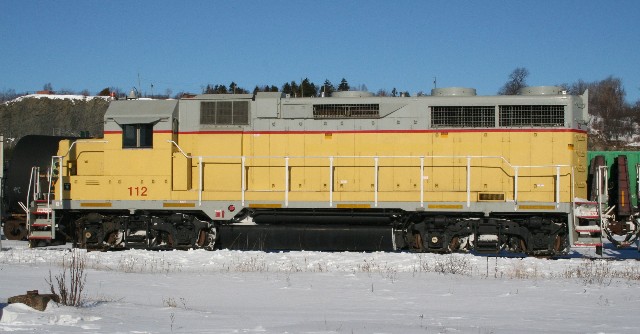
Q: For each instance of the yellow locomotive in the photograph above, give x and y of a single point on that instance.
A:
(353, 171)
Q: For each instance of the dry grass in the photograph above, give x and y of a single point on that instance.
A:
(71, 281)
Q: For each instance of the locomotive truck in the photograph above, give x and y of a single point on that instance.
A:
(351, 172)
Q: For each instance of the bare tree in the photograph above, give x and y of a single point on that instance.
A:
(8, 95)
(578, 87)
(382, 92)
(517, 80)
(606, 99)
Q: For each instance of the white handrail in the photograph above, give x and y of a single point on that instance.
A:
(376, 164)
(188, 156)
(84, 142)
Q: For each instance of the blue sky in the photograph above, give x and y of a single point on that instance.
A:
(185, 45)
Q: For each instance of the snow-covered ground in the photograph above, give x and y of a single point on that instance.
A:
(311, 292)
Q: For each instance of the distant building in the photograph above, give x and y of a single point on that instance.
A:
(46, 92)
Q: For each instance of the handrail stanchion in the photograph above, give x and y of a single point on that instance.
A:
(286, 182)
(330, 182)
(515, 185)
(557, 187)
(375, 160)
(200, 181)
(422, 182)
(244, 182)
(468, 182)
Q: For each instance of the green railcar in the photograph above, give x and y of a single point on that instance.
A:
(633, 161)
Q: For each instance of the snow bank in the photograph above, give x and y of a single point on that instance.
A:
(313, 292)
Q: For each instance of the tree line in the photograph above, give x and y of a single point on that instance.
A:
(613, 125)
(304, 88)
(614, 121)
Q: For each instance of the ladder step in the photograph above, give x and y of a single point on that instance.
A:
(589, 229)
(588, 217)
(41, 235)
(41, 211)
(42, 223)
(587, 244)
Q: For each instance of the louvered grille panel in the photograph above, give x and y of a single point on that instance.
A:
(532, 115)
(346, 111)
(463, 116)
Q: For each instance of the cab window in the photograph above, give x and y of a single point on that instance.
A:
(137, 136)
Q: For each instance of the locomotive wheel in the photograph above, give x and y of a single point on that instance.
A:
(15, 230)
(206, 239)
(557, 245)
(418, 242)
(523, 246)
(454, 245)
(114, 239)
(630, 236)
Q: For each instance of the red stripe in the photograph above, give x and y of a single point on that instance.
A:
(120, 132)
(383, 131)
(235, 132)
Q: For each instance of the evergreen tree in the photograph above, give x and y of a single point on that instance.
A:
(344, 85)
(328, 88)
(220, 89)
(308, 88)
(295, 88)
(286, 88)
(291, 88)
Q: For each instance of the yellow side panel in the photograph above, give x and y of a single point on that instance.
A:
(519, 148)
(272, 196)
(398, 179)
(257, 177)
(309, 197)
(344, 179)
(220, 145)
(119, 188)
(222, 177)
(401, 178)
(309, 178)
(90, 163)
(181, 172)
(119, 161)
(266, 178)
(490, 175)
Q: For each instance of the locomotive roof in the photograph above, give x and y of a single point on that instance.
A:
(275, 111)
(140, 111)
